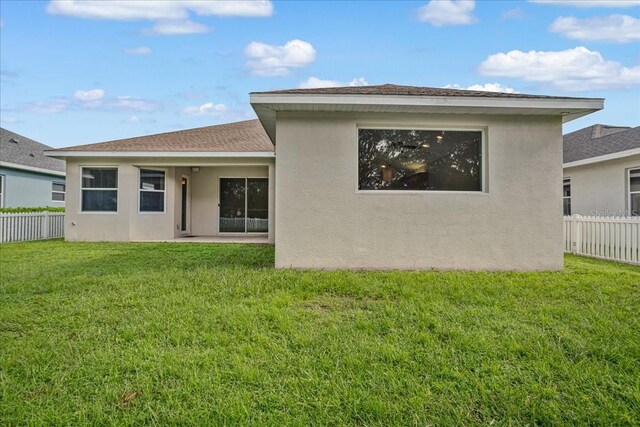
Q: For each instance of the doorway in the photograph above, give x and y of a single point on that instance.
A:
(244, 205)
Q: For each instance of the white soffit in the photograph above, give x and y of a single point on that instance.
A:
(266, 105)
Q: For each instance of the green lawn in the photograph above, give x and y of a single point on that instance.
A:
(131, 334)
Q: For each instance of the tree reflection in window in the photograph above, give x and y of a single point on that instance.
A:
(400, 159)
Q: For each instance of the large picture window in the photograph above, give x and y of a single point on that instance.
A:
(423, 160)
(152, 190)
(634, 192)
(566, 196)
(99, 189)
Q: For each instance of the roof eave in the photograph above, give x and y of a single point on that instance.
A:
(603, 158)
(31, 169)
(61, 153)
(266, 105)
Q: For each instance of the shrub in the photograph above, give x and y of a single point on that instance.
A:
(38, 209)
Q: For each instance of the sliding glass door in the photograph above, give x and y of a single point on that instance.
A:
(244, 205)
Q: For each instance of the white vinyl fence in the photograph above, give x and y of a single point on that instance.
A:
(21, 227)
(616, 239)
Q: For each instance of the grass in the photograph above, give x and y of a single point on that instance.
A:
(132, 334)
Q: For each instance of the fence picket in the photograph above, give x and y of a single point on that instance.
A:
(20, 227)
(615, 239)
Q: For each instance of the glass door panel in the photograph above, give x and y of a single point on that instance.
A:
(232, 205)
(257, 205)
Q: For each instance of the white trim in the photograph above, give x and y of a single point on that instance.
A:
(31, 169)
(566, 178)
(117, 189)
(483, 157)
(604, 158)
(140, 190)
(3, 180)
(443, 101)
(629, 192)
(160, 154)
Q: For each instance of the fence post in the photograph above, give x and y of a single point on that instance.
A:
(575, 233)
(45, 225)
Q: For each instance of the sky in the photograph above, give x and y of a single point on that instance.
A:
(77, 72)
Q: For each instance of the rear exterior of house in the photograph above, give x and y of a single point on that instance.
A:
(28, 178)
(601, 172)
(379, 177)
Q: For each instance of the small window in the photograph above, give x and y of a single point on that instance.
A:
(152, 190)
(99, 190)
(634, 192)
(423, 160)
(566, 196)
(57, 191)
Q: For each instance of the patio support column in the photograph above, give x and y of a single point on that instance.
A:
(272, 203)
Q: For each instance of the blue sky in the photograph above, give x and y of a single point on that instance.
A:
(75, 73)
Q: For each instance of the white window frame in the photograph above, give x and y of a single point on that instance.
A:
(484, 188)
(117, 190)
(629, 192)
(64, 193)
(140, 190)
(2, 181)
(566, 178)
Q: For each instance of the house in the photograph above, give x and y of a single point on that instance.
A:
(602, 171)
(375, 177)
(28, 178)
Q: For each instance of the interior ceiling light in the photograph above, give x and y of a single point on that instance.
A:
(439, 138)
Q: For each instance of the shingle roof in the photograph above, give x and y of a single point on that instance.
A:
(24, 151)
(599, 140)
(246, 136)
(390, 89)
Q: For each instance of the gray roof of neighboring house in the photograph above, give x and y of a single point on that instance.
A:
(599, 140)
(246, 136)
(398, 90)
(20, 150)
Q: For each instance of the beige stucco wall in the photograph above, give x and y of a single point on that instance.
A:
(601, 189)
(127, 224)
(322, 221)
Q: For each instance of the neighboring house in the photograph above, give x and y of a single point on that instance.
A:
(381, 177)
(28, 178)
(602, 171)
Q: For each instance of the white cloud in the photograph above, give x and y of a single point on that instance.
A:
(93, 99)
(141, 50)
(440, 13)
(314, 82)
(577, 69)
(169, 16)
(135, 119)
(89, 95)
(12, 120)
(590, 3)
(132, 10)
(131, 103)
(206, 109)
(270, 60)
(515, 13)
(177, 27)
(487, 87)
(614, 28)
(48, 107)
